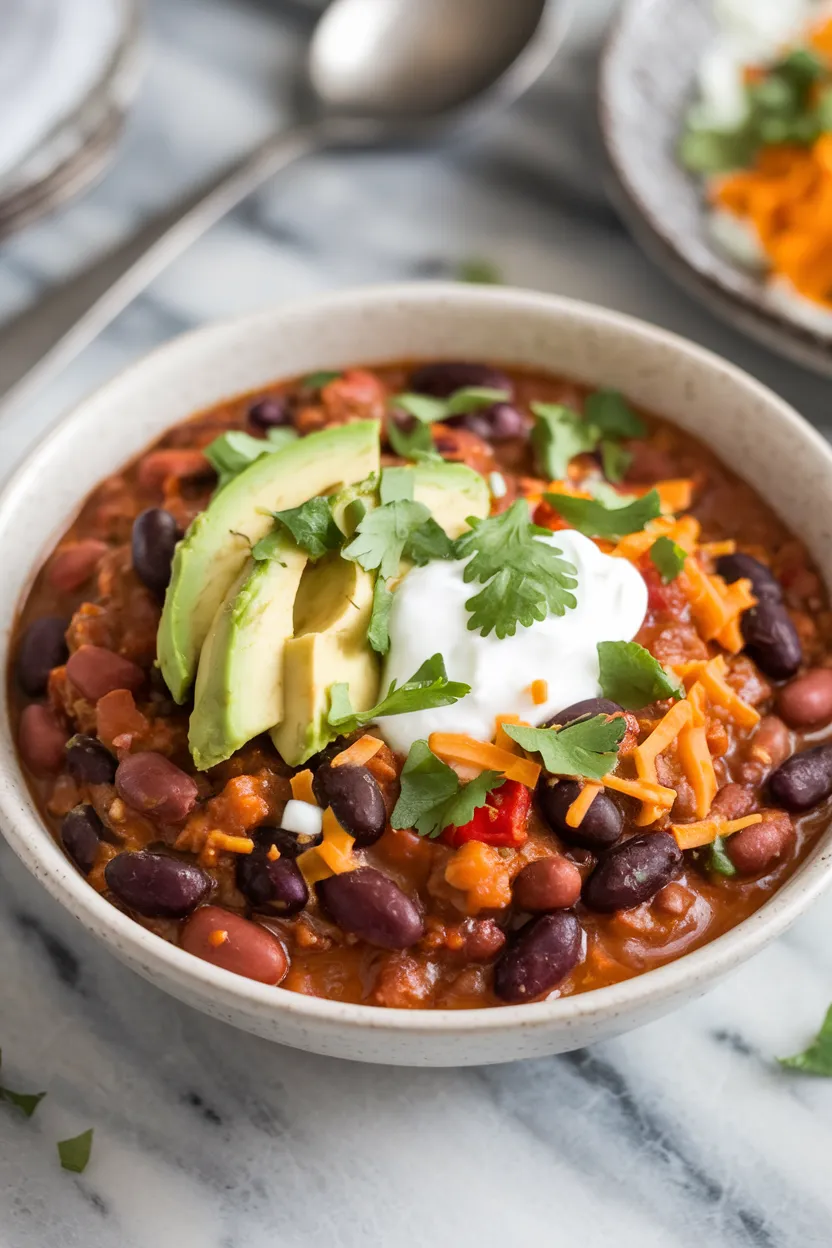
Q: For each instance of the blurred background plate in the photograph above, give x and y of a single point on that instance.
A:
(68, 70)
(647, 81)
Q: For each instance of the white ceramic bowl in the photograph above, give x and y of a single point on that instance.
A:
(755, 432)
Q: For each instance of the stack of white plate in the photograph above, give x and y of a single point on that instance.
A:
(68, 69)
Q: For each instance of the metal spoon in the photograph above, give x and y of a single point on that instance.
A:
(376, 72)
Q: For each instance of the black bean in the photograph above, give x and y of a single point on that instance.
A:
(42, 647)
(271, 887)
(270, 413)
(771, 639)
(442, 380)
(763, 581)
(498, 423)
(81, 833)
(600, 827)
(369, 905)
(154, 537)
(355, 799)
(584, 710)
(803, 780)
(632, 872)
(89, 761)
(538, 957)
(288, 844)
(155, 885)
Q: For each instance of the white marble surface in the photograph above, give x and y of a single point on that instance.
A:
(682, 1135)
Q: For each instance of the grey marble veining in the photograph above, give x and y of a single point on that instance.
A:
(682, 1135)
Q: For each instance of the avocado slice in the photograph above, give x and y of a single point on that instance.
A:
(451, 492)
(216, 547)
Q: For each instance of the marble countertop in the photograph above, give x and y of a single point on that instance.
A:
(683, 1134)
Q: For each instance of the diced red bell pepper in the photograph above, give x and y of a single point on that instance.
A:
(502, 821)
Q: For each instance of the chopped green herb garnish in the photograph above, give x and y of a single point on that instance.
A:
(378, 632)
(422, 407)
(630, 676)
(316, 381)
(615, 460)
(718, 860)
(668, 558)
(27, 1102)
(559, 434)
(383, 534)
(586, 748)
(413, 443)
(280, 436)
(272, 546)
(313, 527)
(75, 1153)
(396, 483)
(432, 797)
(817, 1058)
(426, 689)
(612, 415)
(428, 542)
(478, 270)
(606, 493)
(429, 410)
(525, 579)
(231, 453)
(594, 519)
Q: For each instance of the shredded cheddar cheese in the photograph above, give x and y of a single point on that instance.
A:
(539, 691)
(218, 937)
(359, 753)
(302, 787)
(217, 843)
(333, 856)
(576, 813)
(502, 740)
(457, 747)
(705, 832)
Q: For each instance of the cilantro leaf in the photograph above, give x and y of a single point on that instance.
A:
(606, 493)
(817, 1058)
(27, 1102)
(589, 747)
(559, 434)
(478, 269)
(234, 451)
(718, 860)
(612, 415)
(426, 689)
(429, 410)
(316, 381)
(272, 546)
(615, 460)
(75, 1153)
(396, 483)
(378, 631)
(382, 534)
(630, 676)
(281, 435)
(668, 558)
(594, 519)
(432, 797)
(428, 542)
(410, 443)
(423, 407)
(525, 579)
(312, 526)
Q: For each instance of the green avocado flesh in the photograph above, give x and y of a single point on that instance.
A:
(452, 493)
(216, 547)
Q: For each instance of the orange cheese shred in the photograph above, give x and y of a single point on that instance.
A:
(577, 811)
(643, 790)
(645, 755)
(715, 606)
(221, 843)
(301, 785)
(705, 832)
(457, 747)
(539, 691)
(695, 757)
(721, 694)
(502, 740)
(217, 937)
(332, 857)
(675, 495)
(359, 753)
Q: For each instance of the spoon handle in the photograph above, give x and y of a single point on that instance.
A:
(47, 336)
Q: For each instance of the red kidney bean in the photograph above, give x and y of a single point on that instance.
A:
(288, 844)
(771, 639)
(803, 780)
(270, 413)
(548, 884)
(584, 710)
(42, 647)
(754, 849)
(806, 701)
(538, 957)
(355, 799)
(773, 739)
(600, 827)
(442, 380)
(41, 740)
(764, 583)
(632, 872)
(155, 786)
(369, 905)
(271, 887)
(153, 540)
(81, 833)
(155, 468)
(482, 939)
(245, 949)
(89, 761)
(733, 801)
(95, 671)
(73, 566)
(155, 885)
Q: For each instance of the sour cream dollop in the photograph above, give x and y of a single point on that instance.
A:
(428, 616)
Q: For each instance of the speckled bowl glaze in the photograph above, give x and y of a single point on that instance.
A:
(746, 424)
(645, 86)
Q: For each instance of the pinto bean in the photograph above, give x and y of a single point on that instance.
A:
(235, 944)
(803, 780)
(368, 904)
(73, 565)
(772, 742)
(600, 827)
(356, 801)
(155, 885)
(733, 801)
(754, 849)
(41, 740)
(806, 701)
(632, 872)
(156, 787)
(42, 647)
(538, 957)
(443, 379)
(552, 883)
(95, 671)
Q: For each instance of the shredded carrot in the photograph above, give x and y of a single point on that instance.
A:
(457, 747)
(359, 753)
(705, 832)
(217, 937)
(576, 813)
(539, 691)
(302, 787)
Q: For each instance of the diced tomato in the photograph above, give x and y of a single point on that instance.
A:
(502, 821)
(661, 598)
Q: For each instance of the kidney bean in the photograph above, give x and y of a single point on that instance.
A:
(41, 740)
(442, 380)
(155, 885)
(600, 827)
(754, 849)
(548, 884)
(155, 468)
(803, 780)
(155, 786)
(270, 413)
(538, 957)
(733, 801)
(81, 833)
(73, 566)
(771, 639)
(245, 948)
(154, 537)
(42, 647)
(355, 799)
(482, 940)
(806, 701)
(273, 887)
(497, 423)
(369, 905)
(289, 844)
(585, 710)
(632, 872)
(89, 761)
(764, 583)
(773, 739)
(95, 671)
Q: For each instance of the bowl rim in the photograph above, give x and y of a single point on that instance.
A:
(683, 976)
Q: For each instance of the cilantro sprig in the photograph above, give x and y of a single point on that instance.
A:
(817, 1058)
(559, 434)
(587, 748)
(524, 579)
(400, 529)
(430, 410)
(632, 677)
(718, 860)
(432, 797)
(232, 452)
(612, 415)
(75, 1152)
(594, 518)
(426, 689)
(313, 526)
(668, 558)
(378, 630)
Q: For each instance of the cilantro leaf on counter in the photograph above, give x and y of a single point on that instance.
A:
(427, 688)
(75, 1153)
(234, 451)
(718, 860)
(630, 676)
(27, 1102)
(382, 535)
(525, 579)
(668, 558)
(594, 519)
(586, 748)
(313, 526)
(559, 434)
(378, 632)
(612, 415)
(817, 1058)
(432, 797)
(615, 460)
